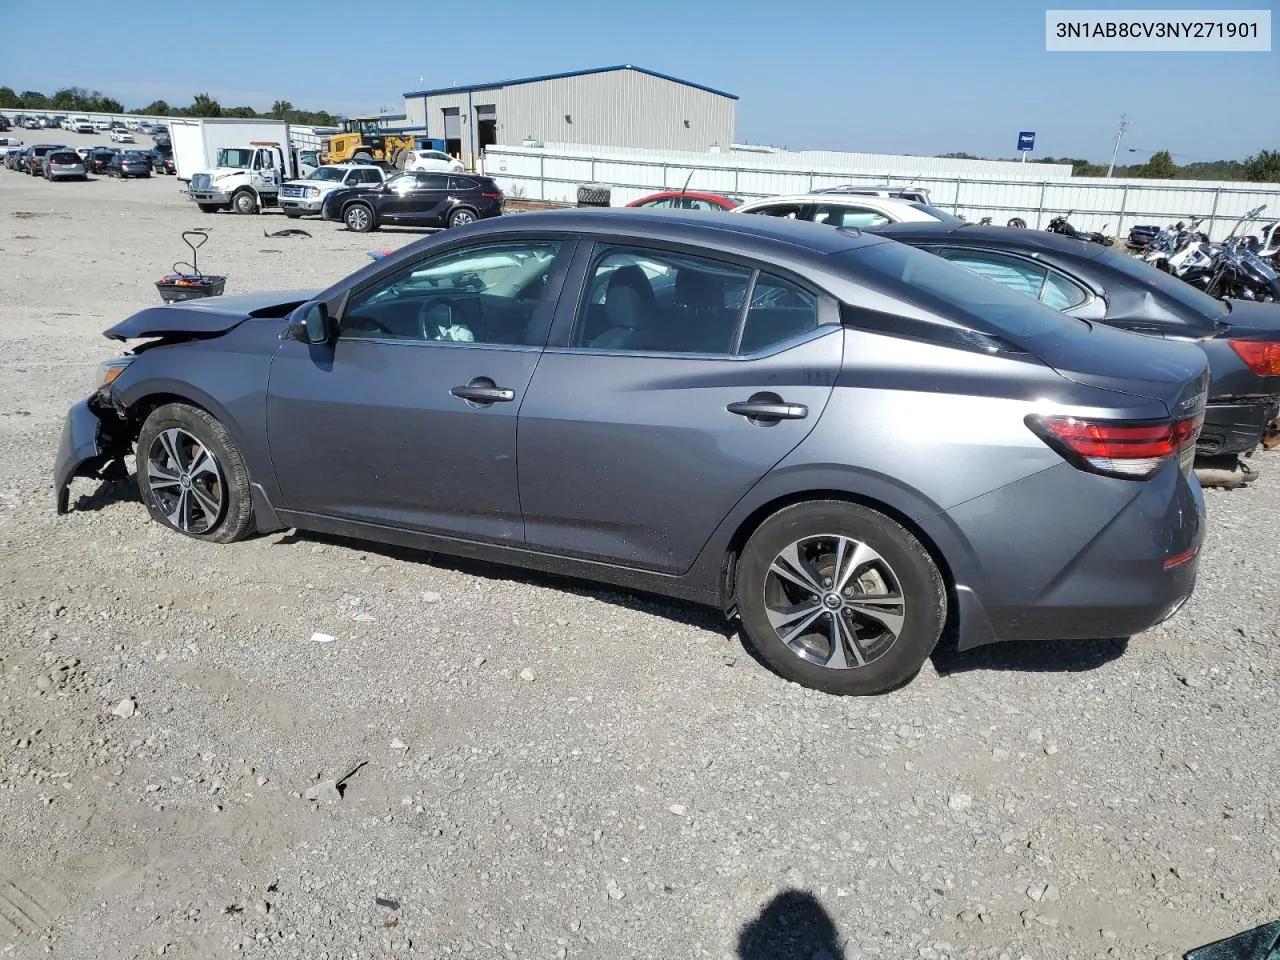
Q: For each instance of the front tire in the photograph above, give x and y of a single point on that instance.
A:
(191, 475)
(244, 203)
(208, 207)
(840, 598)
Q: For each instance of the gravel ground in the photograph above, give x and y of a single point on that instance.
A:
(487, 763)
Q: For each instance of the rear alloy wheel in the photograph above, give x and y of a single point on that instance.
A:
(244, 203)
(461, 217)
(840, 598)
(358, 218)
(191, 475)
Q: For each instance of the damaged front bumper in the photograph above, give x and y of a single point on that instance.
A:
(94, 444)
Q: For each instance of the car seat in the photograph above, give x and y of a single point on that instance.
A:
(630, 308)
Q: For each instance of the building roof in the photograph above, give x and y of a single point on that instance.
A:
(562, 76)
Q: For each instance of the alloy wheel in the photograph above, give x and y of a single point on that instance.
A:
(358, 219)
(462, 217)
(834, 601)
(185, 481)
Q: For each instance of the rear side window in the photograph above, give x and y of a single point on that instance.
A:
(779, 311)
(988, 305)
(462, 183)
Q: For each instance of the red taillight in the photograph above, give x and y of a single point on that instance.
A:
(1178, 559)
(492, 196)
(1261, 357)
(1134, 451)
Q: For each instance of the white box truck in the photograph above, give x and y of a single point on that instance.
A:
(236, 165)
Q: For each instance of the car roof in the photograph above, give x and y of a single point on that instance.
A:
(1010, 238)
(836, 198)
(746, 235)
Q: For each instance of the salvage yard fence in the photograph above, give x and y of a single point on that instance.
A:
(1098, 203)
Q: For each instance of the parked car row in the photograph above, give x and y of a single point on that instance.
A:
(848, 441)
(81, 124)
(60, 162)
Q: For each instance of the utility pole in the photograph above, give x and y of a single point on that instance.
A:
(1124, 123)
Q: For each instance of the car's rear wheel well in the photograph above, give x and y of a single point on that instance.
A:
(749, 526)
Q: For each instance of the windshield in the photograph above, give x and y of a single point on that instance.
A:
(986, 305)
(327, 173)
(940, 214)
(1169, 286)
(237, 158)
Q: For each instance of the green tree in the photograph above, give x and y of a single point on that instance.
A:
(33, 100)
(1159, 166)
(8, 98)
(1263, 167)
(158, 108)
(204, 106)
(282, 110)
(243, 113)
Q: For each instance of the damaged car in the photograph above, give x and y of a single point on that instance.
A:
(1240, 338)
(847, 445)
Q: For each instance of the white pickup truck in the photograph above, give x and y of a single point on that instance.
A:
(303, 197)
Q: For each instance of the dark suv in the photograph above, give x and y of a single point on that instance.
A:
(414, 199)
(33, 159)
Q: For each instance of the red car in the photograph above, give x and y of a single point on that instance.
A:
(689, 200)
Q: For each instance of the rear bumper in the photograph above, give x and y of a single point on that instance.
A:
(88, 446)
(1120, 557)
(1233, 428)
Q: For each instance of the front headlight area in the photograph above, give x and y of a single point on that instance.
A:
(109, 371)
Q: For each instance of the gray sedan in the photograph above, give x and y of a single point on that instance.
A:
(844, 443)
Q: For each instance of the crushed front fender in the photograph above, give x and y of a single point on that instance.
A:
(94, 444)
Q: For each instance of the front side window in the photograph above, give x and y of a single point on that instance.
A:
(402, 182)
(487, 294)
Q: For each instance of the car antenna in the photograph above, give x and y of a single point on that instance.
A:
(686, 184)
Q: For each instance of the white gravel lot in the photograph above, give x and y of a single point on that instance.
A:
(544, 769)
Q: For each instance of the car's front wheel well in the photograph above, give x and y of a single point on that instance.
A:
(137, 413)
(728, 573)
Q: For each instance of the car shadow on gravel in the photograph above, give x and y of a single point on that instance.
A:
(1030, 656)
(690, 614)
(109, 492)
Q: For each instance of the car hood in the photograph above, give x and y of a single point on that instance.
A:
(208, 316)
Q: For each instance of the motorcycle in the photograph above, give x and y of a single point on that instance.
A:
(1235, 271)
(1141, 236)
(1180, 248)
(1060, 224)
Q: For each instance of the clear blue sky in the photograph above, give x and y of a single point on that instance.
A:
(893, 77)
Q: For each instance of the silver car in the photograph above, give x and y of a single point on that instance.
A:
(64, 165)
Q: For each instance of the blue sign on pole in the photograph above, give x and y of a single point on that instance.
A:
(1027, 140)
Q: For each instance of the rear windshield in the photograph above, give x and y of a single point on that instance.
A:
(64, 158)
(985, 305)
(940, 214)
(1165, 284)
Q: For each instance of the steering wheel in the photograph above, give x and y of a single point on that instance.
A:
(470, 280)
(365, 323)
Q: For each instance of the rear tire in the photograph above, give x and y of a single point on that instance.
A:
(1017, 222)
(461, 217)
(191, 475)
(402, 158)
(363, 156)
(790, 598)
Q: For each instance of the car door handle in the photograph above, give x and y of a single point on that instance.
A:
(768, 410)
(478, 393)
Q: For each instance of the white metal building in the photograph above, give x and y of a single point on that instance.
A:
(622, 106)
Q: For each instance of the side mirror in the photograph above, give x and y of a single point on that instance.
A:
(312, 324)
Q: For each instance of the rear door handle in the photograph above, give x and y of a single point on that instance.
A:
(484, 392)
(768, 410)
